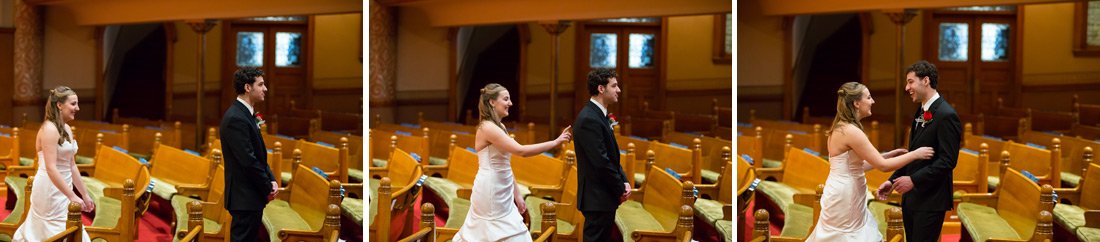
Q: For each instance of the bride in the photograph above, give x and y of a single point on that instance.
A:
(495, 203)
(56, 147)
(844, 214)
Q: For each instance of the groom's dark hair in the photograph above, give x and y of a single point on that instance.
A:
(245, 76)
(924, 69)
(599, 77)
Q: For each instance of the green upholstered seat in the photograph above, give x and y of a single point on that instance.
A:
(725, 229)
(993, 182)
(1086, 234)
(445, 189)
(639, 179)
(164, 189)
(1070, 179)
(278, 216)
(179, 205)
(709, 210)
(17, 186)
(79, 160)
(24, 161)
(632, 216)
(779, 193)
(458, 210)
(94, 188)
(355, 176)
(1069, 216)
(878, 210)
(769, 163)
(352, 208)
(285, 178)
(535, 211)
(983, 222)
(139, 156)
(957, 195)
(378, 163)
(373, 208)
(799, 219)
(107, 212)
(436, 161)
(709, 176)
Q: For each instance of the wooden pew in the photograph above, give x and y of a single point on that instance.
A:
(302, 212)
(418, 143)
(1019, 209)
(658, 203)
(213, 215)
(645, 127)
(1045, 164)
(723, 114)
(567, 222)
(712, 148)
(332, 160)
(1077, 204)
(121, 224)
(531, 171)
(761, 232)
(427, 225)
(685, 161)
(73, 226)
(973, 141)
(446, 180)
(116, 181)
(971, 171)
(9, 144)
(799, 174)
(752, 145)
(444, 125)
(89, 140)
(21, 201)
(402, 173)
(1087, 132)
(289, 143)
(172, 167)
(297, 127)
(1088, 114)
(355, 145)
(441, 141)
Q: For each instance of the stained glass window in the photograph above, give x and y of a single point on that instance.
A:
(287, 48)
(604, 49)
(954, 41)
(641, 50)
(250, 48)
(1092, 23)
(995, 42)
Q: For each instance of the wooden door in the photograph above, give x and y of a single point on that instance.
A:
(976, 54)
(277, 48)
(631, 50)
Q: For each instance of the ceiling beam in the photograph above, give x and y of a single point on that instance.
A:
(90, 12)
(443, 13)
(800, 7)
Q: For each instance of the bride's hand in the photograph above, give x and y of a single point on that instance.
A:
(923, 153)
(77, 200)
(522, 206)
(565, 135)
(89, 205)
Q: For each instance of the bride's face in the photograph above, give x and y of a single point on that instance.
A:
(501, 104)
(69, 108)
(863, 105)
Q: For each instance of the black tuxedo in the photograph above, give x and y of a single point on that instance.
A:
(924, 206)
(600, 178)
(247, 175)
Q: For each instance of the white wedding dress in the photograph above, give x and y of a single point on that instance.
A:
(844, 214)
(49, 207)
(493, 214)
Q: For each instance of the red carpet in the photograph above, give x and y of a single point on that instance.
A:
(775, 230)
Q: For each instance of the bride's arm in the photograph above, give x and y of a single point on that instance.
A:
(496, 136)
(867, 166)
(859, 143)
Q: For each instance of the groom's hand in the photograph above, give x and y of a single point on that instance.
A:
(903, 184)
(274, 191)
(884, 190)
(626, 194)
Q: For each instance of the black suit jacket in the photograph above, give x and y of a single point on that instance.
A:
(932, 180)
(247, 175)
(600, 178)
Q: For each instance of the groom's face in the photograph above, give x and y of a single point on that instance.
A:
(918, 88)
(257, 89)
(610, 92)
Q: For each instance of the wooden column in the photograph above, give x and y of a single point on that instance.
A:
(29, 35)
(200, 26)
(555, 28)
(900, 18)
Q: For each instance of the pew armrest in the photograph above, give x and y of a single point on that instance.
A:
(805, 199)
(1092, 218)
(445, 234)
(464, 193)
(1071, 194)
(431, 170)
(764, 173)
(300, 235)
(88, 169)
(191, 190)
(377, 171)
(981, 198)
(897, 238)
(21, 171)
(650, 235)
(547, 191)
(709, 190)
(354, 190)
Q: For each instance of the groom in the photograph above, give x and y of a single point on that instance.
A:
(601, 185)
(248, 179)
(926, 184)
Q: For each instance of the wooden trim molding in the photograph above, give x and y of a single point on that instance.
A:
(99, 108)
(1080, 45)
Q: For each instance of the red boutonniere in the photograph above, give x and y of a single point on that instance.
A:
(612, 120)
(925, 118)
(259, 119)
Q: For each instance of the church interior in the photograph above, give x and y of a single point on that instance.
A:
(1022, 75)
(429, 58)
(154, 79)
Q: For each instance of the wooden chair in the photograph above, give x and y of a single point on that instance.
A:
(662, 212)
(302, 212)
(1018, 211)
(402, 173)
(761, 232)
(73, 226)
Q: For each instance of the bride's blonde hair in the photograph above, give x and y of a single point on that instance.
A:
(846, 97)
(485, 109)
(58, 95)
